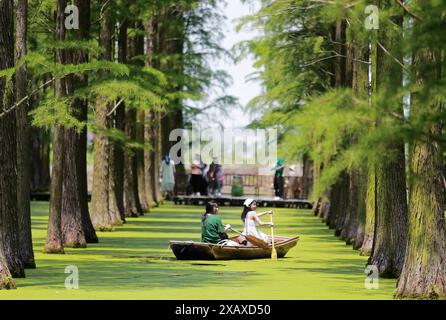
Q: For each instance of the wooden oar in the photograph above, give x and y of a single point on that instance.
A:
(273, 251)
(254, 240)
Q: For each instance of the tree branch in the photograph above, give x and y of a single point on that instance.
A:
(115, 107)
(6, 111)
(336, 55)
(390, 55)
(407, 10)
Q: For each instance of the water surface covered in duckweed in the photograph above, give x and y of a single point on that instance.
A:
(135, 262)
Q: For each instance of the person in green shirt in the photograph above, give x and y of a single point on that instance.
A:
(212, 229)
(278, 178)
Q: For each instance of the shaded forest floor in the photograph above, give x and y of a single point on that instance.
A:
(134, 262)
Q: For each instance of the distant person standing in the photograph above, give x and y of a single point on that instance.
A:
(278, 178)
(168, 176)
(204, 180)
(215, 177)
(197, 180)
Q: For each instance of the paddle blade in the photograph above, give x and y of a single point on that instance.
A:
(257, 242)
(274, 254)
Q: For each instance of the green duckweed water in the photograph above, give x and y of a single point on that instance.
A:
(134, 262)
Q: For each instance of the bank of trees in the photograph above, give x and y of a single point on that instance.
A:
(122, 70)
(363, 101)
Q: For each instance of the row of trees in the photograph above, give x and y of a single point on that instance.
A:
(359, 92)
(123, 70)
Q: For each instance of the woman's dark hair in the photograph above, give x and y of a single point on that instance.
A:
(210, 206)
(209, 209)
(245, 212)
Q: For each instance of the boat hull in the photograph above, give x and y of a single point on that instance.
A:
(189, 250)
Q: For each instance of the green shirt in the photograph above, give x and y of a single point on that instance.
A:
(212, 230)
(279, 172)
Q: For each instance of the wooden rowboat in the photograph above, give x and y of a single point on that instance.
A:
(190, 250)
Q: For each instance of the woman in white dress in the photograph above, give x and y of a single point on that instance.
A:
(168, 176)
(250, 218)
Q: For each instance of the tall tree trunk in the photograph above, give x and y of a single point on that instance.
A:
(339, 191)
(316, 198)
(155, 158)
(306, 184)
(148, 177)
(87, 224)
(23, 137)
(342, 205)
(148, 183)
(424, 270)
(155, 117)
(171, 38)
(72, 226)
(102, 217)
(140, 116)
(169, 44)
(348, 232)
(370, 200)
(330, 215)
(360, 89)
(131, 198)
(116, 169)
(347, 215)
(9, 228)
(390, 236)
(54, 240)
(139, 42)
(390, 233)
(116, 172)
(358, 241)
(324, 207)
(132, 204)
(80, 56)
(369, 230)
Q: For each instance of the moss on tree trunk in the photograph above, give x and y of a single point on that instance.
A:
(424, 271)
(369, 229)
(390, 235)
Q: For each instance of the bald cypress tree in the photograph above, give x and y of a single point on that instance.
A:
(9, 229)
(73, 230)
(132, 204)
(54, 241)
(23, 138)
(424, 271)
(80, 82)
(116, 153)
(148, 115)
(390, 230)
(102, 217)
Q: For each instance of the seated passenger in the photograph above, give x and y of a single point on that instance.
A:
(250, 219)
(212, 229)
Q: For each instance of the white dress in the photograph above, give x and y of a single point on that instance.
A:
(251, 230)
(168, 174)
